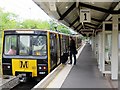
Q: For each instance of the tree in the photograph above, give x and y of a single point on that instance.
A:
(59, 27)
(53, 25)
(34, 24)
(8, 20)
(63, 29)
(43, 25)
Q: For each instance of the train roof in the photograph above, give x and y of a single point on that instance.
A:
(26, 30)
(44, 30)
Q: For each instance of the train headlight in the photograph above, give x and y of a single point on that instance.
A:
(40, 68)
(8, 66)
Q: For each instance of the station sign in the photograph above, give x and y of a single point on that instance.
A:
(85, 15)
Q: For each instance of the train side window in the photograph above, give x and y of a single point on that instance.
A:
(39, 45)
(24, 48)
(10, 44)
(53, 43)
(63, 44)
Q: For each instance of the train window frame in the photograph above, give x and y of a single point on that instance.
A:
(43, 46)
(4, 47)
(18, 41)
(64, 44)
(20, 48)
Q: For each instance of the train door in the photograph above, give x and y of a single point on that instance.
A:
(58, 48)
(53, 50)
(63, 43)
(67, 44)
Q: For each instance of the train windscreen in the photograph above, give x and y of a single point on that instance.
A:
(25, 45)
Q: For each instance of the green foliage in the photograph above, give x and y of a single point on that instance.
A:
(43, 25)
(53, 25)
(83, 38)
(64, 29)
(59, 27)
(0, 49)
(34, 24)
(9, 21)
(30, 24)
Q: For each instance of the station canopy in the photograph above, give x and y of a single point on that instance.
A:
(83, 16)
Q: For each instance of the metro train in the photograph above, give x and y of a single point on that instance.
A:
(33, 53)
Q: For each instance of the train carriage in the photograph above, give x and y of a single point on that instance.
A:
(32, 53)
(35, 54)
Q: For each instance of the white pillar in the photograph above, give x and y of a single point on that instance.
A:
(103, 49)
(94, 49)
(97, 47)
(114, 57)
(99, 50)
(92, 43)
(95, 42)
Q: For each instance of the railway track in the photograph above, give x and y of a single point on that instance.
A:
(28, 85)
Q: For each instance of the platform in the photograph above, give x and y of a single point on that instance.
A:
(7, 82)
(85, 74)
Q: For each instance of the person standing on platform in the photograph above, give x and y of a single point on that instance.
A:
(72, 50)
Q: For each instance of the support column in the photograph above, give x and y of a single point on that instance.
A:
(99, 49)
(92, 43)
(96, 46)
(103, 49)
(114, 57)
(94, 49)
(95, 42)
(90, 40)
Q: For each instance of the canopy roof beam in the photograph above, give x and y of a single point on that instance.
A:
(99, 9)
(68, 11)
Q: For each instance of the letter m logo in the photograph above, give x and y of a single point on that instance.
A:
(23, 64)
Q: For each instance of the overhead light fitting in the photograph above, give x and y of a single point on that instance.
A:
(66, 7)
(52, 6)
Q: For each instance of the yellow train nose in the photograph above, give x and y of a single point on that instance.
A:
(24, 65)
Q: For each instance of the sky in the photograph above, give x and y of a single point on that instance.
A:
(26, 9)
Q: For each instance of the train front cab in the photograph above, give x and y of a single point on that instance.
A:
(37, 52)
(32, 55)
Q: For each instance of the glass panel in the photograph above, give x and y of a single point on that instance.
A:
(39, 45)
(10, 44)
(24, 48)
(27, 45)
(63, 45)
